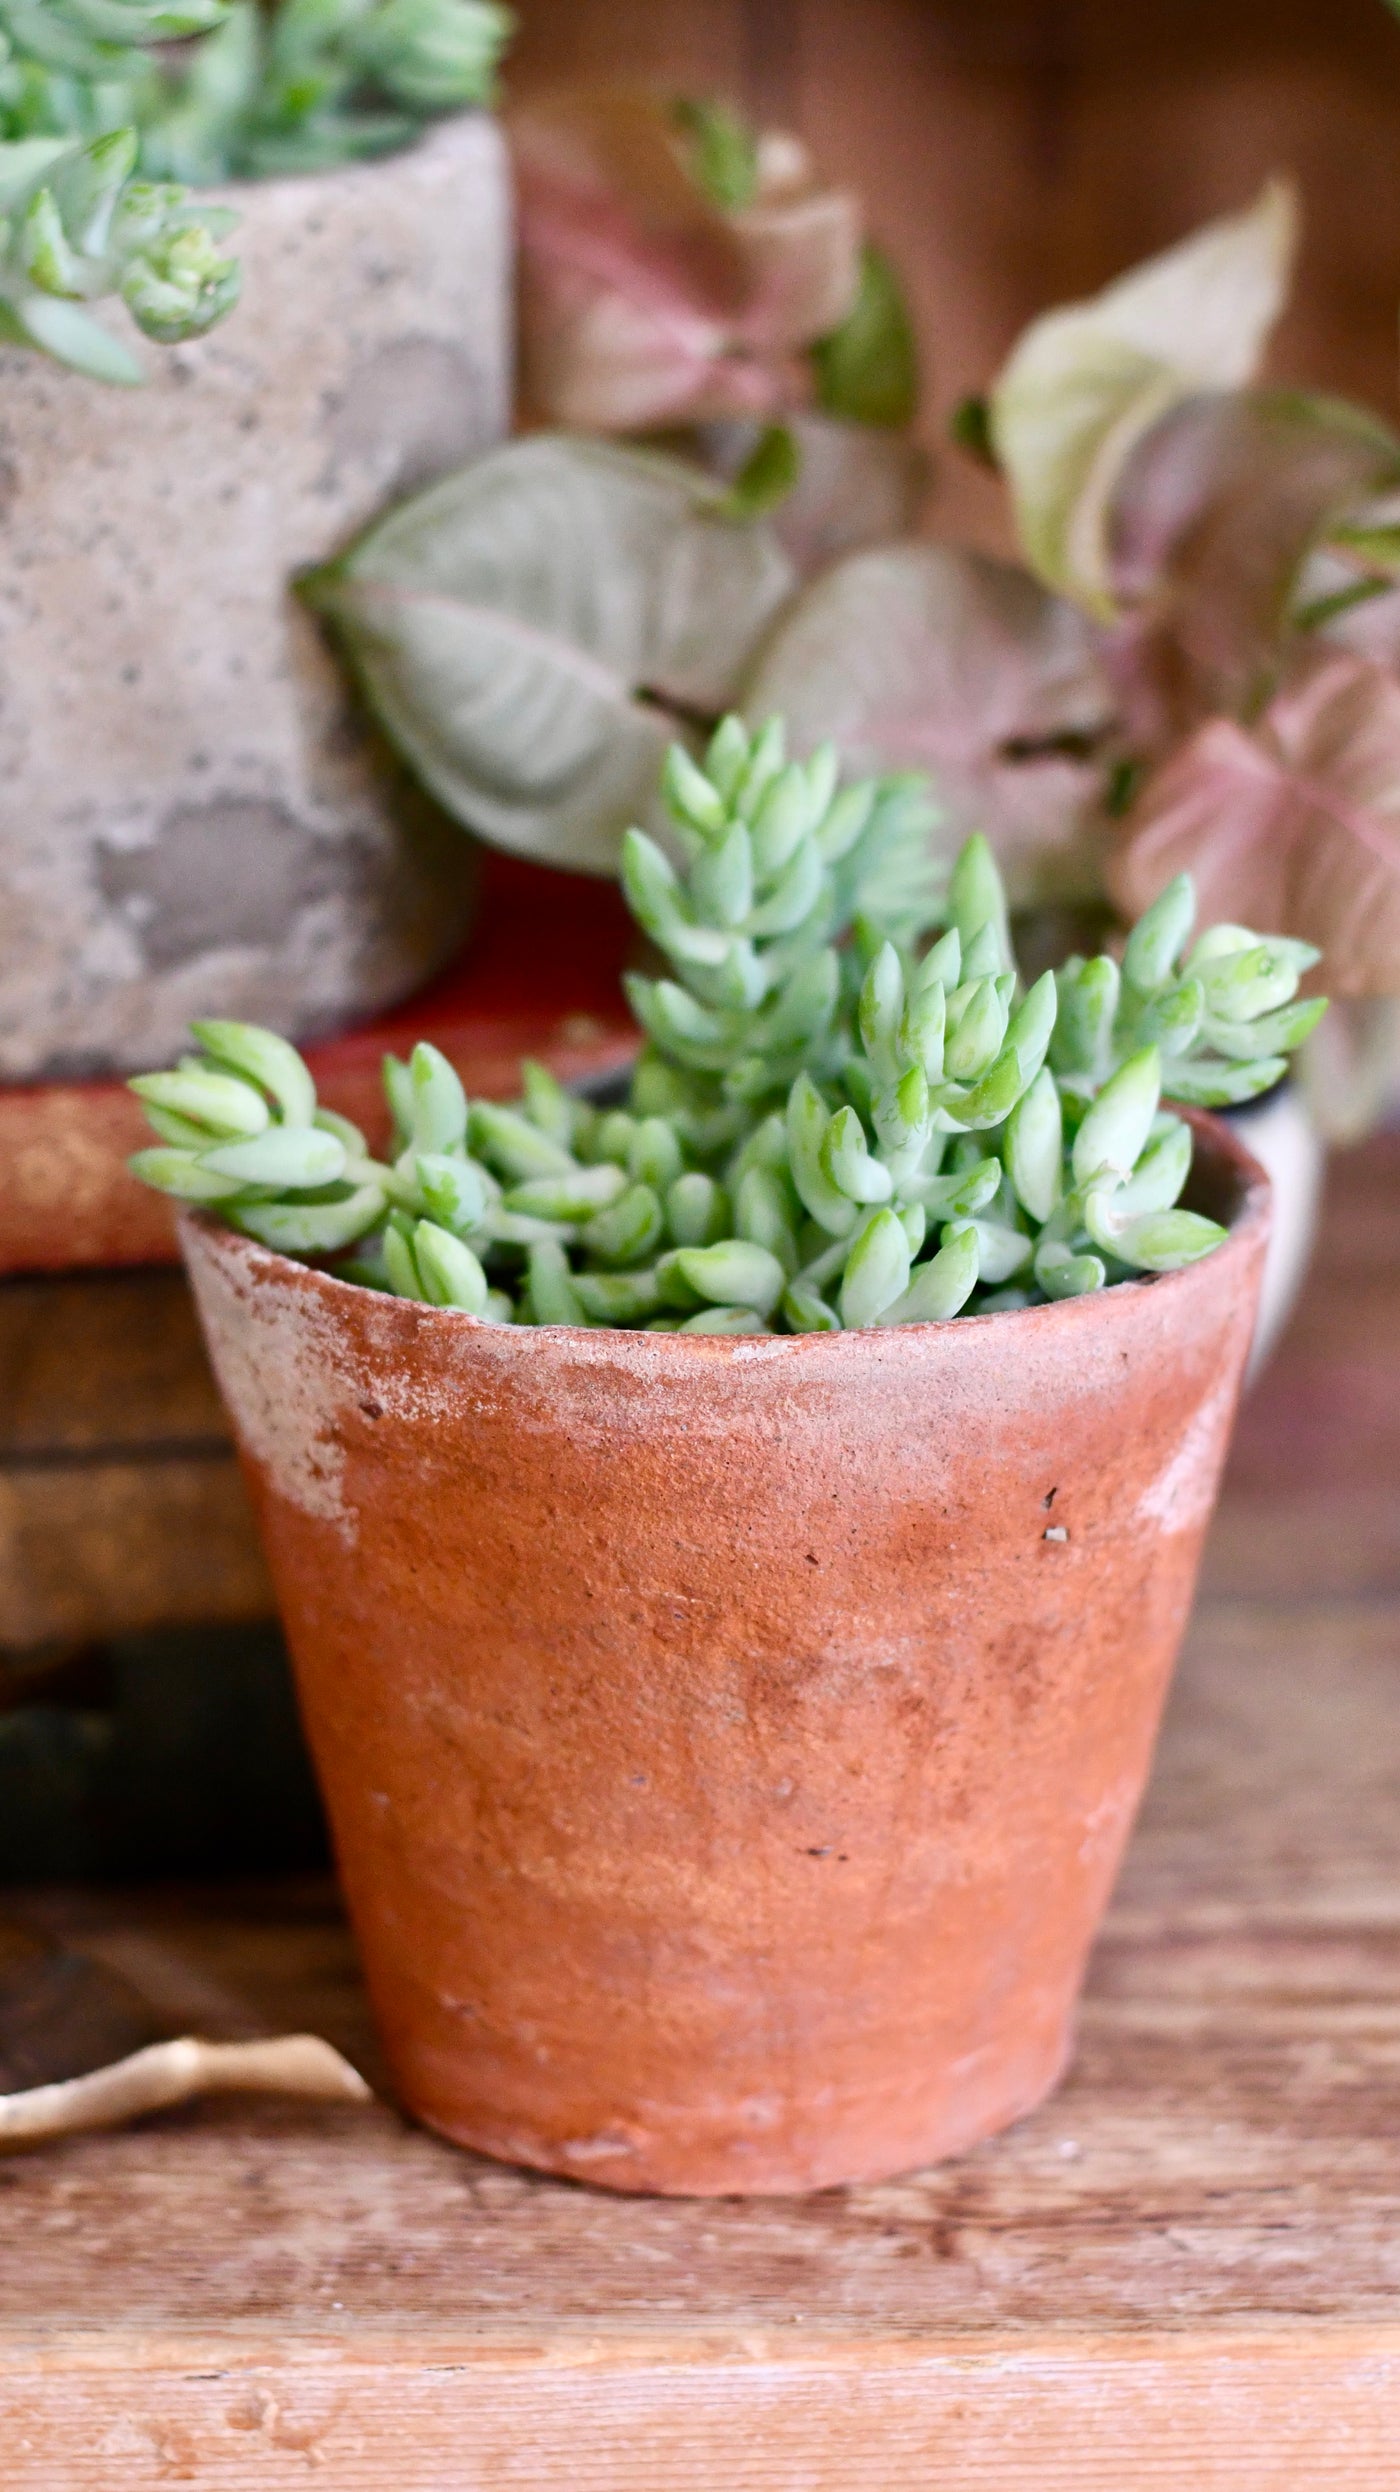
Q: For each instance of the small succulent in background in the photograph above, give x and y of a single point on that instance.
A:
(94, 92)
(833, 1121)
(86, 42)
(75, 227)
(238, 88)
(312, 84)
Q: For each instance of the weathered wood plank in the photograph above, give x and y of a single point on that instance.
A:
(1242, 2414)
(110, 1548)
(101, 1362)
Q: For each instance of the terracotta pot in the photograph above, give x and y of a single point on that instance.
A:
(730, 1744)
(196, 817)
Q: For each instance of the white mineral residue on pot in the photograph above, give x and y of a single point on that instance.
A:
(277, 1353)
(1183, 1493)
(615, 1383)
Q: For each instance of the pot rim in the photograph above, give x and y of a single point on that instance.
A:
(1250, 1217)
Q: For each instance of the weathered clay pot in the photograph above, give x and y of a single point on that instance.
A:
(730, 1744)
(193, 817)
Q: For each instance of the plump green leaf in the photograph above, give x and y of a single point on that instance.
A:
(697, 1211)
(1035, 1147)
(806, 1311)
(225, 1108)
(286, 1155)
(1001, 1251)
(1114, 1133)
(453, 1191)
(628, 1231)
(941, 1287)
(617, 1297)
(312, 1228)
(262, 1057)
(439, 1101)
(570, 1198)
(877, 1270)
(1062, 1274)
(553, 1297)
(734, 1273)
(180, 1173)
(515, 1147)
(450, 1272)
(1155, 946)
(1159, 1241)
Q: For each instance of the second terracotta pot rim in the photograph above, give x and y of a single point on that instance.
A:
(1250, 1212)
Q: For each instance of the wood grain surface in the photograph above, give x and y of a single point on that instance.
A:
(1183, 2272)
(121, 1503)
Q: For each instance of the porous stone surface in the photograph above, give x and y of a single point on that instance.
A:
(193, 815)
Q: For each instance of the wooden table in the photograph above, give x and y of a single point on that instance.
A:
(1184, 2272)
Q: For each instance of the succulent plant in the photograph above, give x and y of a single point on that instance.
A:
(779, 860)
(93, 39)
(262, 90)
(832, 1123)
(74, 226)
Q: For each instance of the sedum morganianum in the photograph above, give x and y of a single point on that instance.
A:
(74, 225)
(779, 863)
(833, 1122)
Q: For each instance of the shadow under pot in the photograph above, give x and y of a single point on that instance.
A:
(729, 1744)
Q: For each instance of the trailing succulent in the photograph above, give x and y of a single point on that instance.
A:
(288, 88)
(75, 226)
(94, 92)
(832, 1123)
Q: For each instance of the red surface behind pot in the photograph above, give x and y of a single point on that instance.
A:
(727, 1766)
